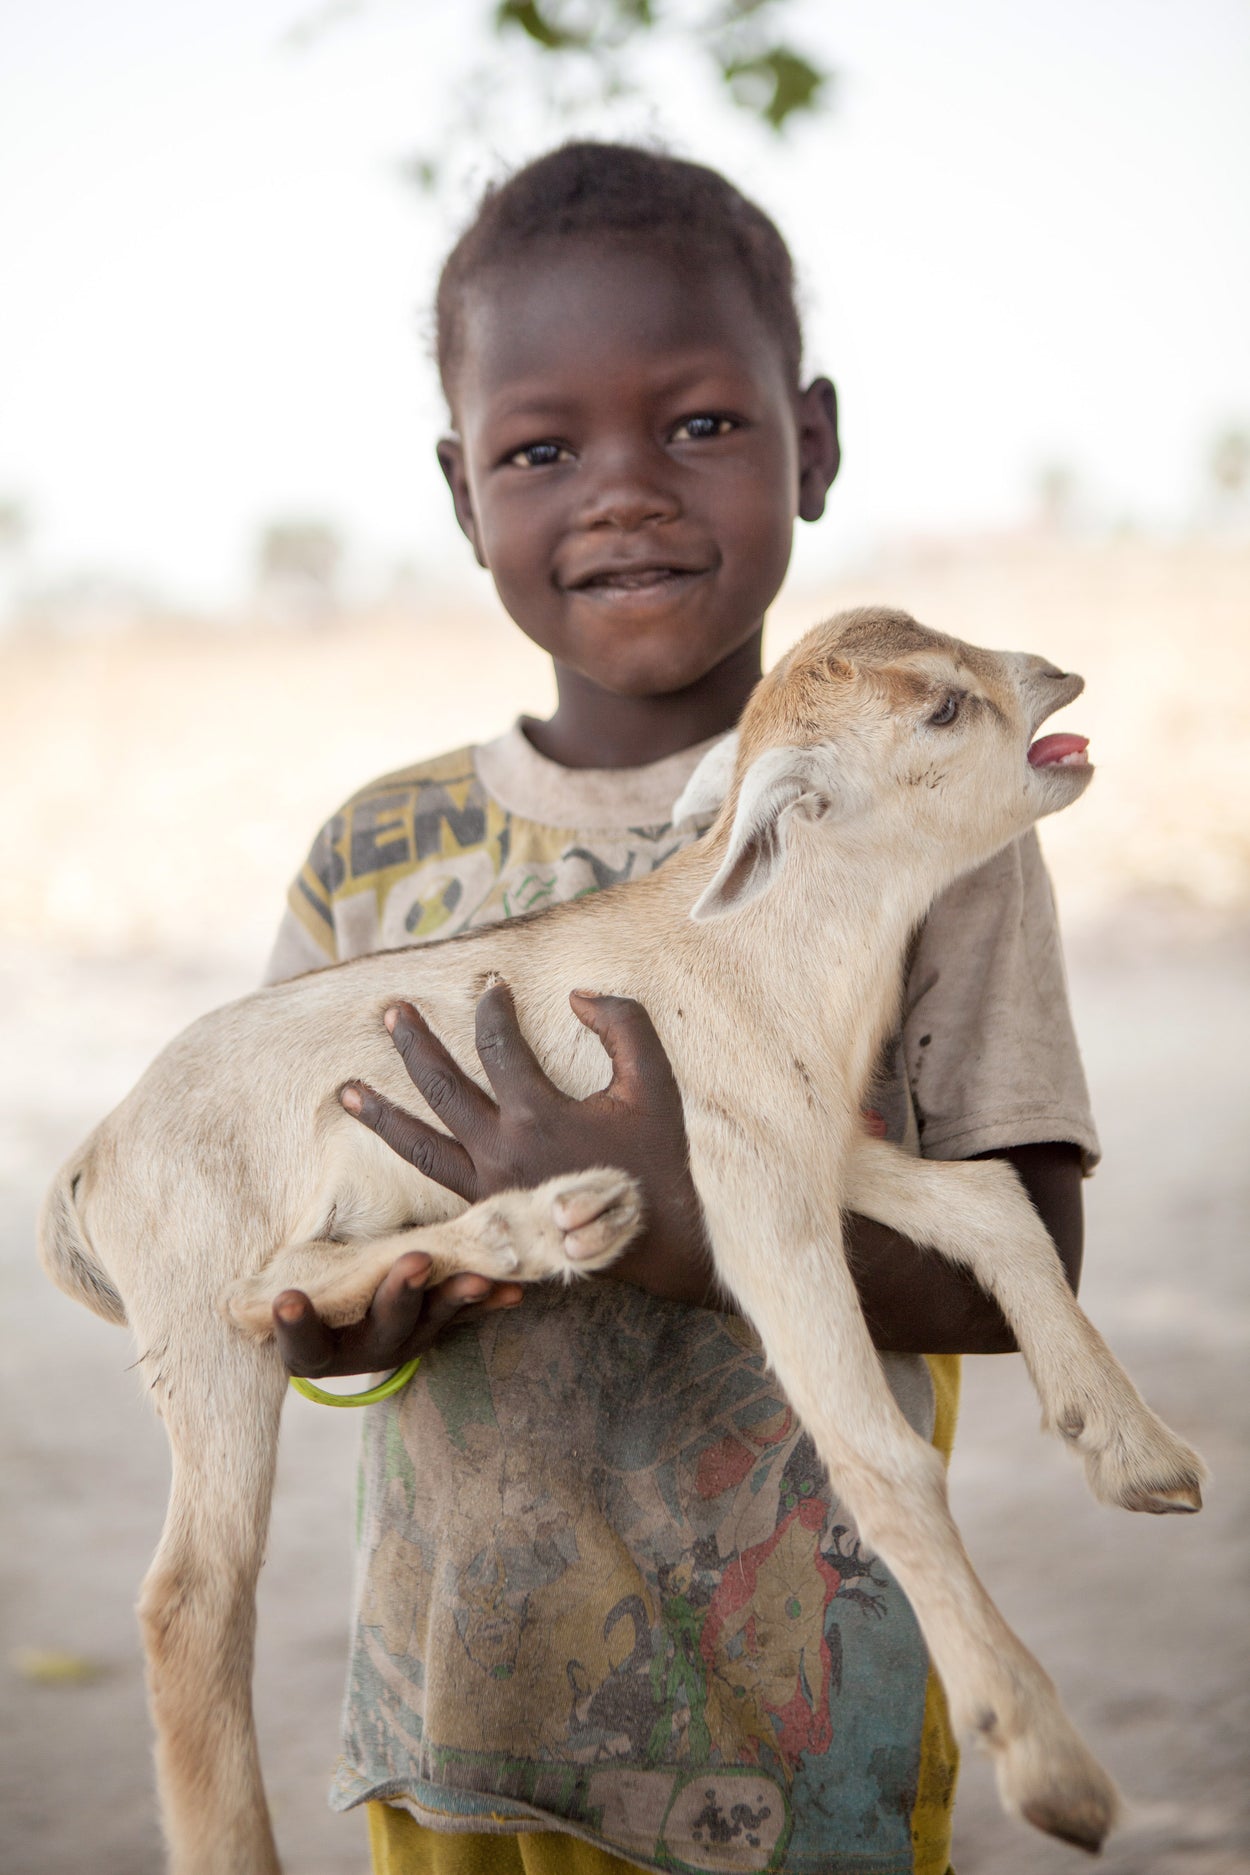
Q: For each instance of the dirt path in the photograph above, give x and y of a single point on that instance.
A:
(1141, 1621)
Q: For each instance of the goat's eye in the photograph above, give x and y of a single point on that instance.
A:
(947, 712)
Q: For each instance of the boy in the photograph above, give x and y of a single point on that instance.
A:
(607, 1608)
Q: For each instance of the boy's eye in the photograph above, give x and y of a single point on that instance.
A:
(696, 429)
(538, 455)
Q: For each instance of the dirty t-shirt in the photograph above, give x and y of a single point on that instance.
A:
(604, 1586)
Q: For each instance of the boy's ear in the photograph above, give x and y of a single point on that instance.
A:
(451, 462)
(819, 449)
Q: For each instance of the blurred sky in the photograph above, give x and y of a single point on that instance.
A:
(1021, 231)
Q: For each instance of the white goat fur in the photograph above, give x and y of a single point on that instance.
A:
(212, 1186)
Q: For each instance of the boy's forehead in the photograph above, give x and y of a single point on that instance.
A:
(562, 310)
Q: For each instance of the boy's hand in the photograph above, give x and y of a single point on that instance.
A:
(532, 1131)
(404, 1319)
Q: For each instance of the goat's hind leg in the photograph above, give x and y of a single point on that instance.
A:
(220, 1399)
(570, 1226)
(798, 1292)
(977, 1214)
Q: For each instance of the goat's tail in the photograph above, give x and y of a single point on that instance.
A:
(65, 1249)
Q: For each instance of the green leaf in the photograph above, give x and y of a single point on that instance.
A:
(776, 83)
(538, 26)
(738, 10)
(424, 171)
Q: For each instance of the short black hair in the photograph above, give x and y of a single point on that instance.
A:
(621, 189)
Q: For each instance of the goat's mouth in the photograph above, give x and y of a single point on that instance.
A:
(1059, 751)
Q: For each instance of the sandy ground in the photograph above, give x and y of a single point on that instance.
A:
(176, 779)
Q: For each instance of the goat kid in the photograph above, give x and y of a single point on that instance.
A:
(875, 763)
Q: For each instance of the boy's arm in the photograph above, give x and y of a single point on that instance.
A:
(991, 1061)
(917, 1303)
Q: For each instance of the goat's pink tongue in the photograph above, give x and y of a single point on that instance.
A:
(1049, 749)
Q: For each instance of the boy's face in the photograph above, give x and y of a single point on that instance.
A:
(630, 458)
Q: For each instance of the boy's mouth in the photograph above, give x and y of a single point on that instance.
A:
(634, 579)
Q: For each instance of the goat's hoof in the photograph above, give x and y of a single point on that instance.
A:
(1148, 1470)
(1182, 1500)
(1165, 1490)
(1083, 1831)
(1053, 1782)
(597, 1214)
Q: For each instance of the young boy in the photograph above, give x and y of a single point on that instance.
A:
(608, 1605)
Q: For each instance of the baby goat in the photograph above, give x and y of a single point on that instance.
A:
(876, 763)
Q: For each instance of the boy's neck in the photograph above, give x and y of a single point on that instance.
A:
(596, 728)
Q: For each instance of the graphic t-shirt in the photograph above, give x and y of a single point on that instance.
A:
(604, 1586)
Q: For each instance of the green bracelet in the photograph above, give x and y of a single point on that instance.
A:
(382, 1391)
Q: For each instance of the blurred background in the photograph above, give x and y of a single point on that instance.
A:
(231, 590)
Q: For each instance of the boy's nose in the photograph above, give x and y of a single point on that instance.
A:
(628, 492)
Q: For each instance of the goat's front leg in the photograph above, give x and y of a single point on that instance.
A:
(977, 1214)
(570, 1226)
(778, 1255)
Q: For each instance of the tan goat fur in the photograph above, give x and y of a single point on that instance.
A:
(232, 1172)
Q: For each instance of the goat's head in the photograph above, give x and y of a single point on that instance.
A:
(914, 743)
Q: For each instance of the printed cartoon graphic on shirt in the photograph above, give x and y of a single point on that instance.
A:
(428, 859)
(672, 1601)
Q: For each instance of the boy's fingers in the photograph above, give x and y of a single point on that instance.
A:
(627, 1032)
(512, 1068)
(452, 1094)
(459, 1298)
(312, 1350)
(431, 1152)
(304, 1342)
(403, 1290)
(502, 1296)
(406, 1314)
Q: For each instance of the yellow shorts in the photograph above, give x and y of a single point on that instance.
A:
(401, 1846)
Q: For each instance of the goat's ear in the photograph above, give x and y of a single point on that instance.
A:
(710, 782)
(778, 783)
